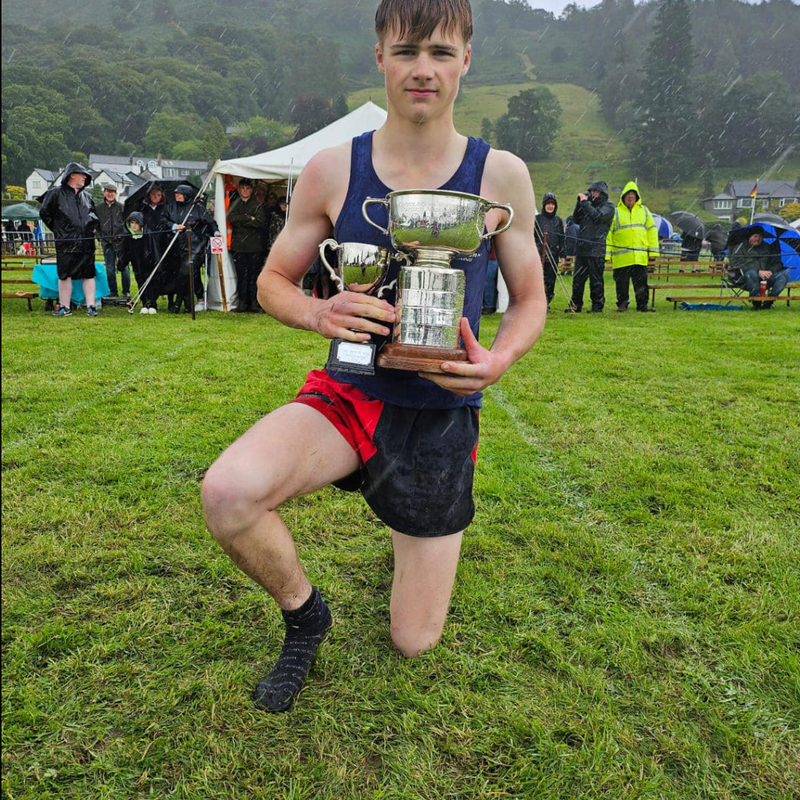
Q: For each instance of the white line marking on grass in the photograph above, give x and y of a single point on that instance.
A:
(36, 432)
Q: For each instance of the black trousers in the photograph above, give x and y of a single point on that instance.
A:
(591, 268)
(248, 266)
(637, 274)
(549, 279)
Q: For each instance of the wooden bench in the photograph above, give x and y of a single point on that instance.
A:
(654, 287)
(787, 298)
(27, 268)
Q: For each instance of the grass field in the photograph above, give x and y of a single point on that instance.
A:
(626, 618)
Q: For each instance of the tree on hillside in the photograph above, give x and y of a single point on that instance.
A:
(310, 114)
(530, 125)
(214, 140)
(663, 137)
(790, 212)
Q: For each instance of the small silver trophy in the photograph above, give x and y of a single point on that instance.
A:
(358, 267)
(434, 226)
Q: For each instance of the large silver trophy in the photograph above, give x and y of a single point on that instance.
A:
(357, 267)
(434, 226)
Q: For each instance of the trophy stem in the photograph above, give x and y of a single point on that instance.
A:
(430, 257)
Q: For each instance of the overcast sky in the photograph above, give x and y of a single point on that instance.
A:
(557, 6)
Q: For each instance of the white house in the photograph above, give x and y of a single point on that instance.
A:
(735, 199)
(38, 182)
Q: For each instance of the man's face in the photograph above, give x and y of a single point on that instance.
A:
(135, 226)
(550, 207)
(629, 199)
(422, 78)
(110, 195)
(245, 192)
(77, 180)
(756, 239)
(179, 198)
(593, 194)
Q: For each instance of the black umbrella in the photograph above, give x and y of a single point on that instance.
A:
(136, 201)
(689, 223)
(772, 219)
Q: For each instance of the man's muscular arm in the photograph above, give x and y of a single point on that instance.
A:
(308, 224)
(521, 267)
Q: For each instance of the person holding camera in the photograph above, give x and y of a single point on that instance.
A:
(594, 214)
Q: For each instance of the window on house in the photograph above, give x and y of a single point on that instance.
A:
(36, 184)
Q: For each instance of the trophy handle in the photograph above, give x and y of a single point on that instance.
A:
(374, 201)
(404, 257)
(505, 227)
(334, 245)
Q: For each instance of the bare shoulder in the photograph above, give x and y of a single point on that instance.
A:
(504, 169)
(506, 179)
(324, 180)
(329, 165)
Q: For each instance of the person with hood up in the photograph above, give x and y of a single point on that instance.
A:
(571, 229)
(246, 216)
(137, 251)
(594, 213)
(717, 241)
(632, 241)
(201, 226)
(548, 232)
(68, 210)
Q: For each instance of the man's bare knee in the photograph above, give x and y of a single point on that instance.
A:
(229, 504)
(412, 643)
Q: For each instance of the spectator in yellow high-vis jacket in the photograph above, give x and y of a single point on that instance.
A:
(632, 242)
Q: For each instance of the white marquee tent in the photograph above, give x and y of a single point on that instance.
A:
(284, 164)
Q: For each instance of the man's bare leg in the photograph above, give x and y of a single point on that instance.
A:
(424, 572)
(64, 292)
(291, 452)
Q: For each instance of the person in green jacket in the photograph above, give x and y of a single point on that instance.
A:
(632, 241)
(246, 216)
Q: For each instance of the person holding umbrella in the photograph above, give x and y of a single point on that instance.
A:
(201, 226)
(759, 263)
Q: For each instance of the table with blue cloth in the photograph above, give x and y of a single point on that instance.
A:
(46, 275)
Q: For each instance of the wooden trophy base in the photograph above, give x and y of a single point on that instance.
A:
(418, 358)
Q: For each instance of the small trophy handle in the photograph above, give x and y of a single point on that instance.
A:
(334, 245)
(374, 201)
(505, 227)
(404, 257)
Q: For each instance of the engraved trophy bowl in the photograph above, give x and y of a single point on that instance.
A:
(434, 226)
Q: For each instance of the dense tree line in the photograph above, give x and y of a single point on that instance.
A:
(150, 78)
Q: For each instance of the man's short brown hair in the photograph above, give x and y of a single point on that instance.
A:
(415, 20)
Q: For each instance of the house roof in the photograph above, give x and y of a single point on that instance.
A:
(765, 188)
(47, 174)
(100, 159)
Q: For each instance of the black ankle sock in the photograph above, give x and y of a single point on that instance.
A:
(306, 627)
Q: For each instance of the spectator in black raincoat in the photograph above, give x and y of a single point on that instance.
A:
(68, 210)
(570, 237)
(690, 249)
(548, 232)
(137, 251)
(246, 217)
(594, 213)
(110, 230)
(202, 226)
(717, 241)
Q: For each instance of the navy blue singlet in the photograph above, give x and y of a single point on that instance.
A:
(395, 386)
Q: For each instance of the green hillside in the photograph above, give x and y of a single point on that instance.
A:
(585, 137)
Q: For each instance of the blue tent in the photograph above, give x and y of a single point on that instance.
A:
(785, 241)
